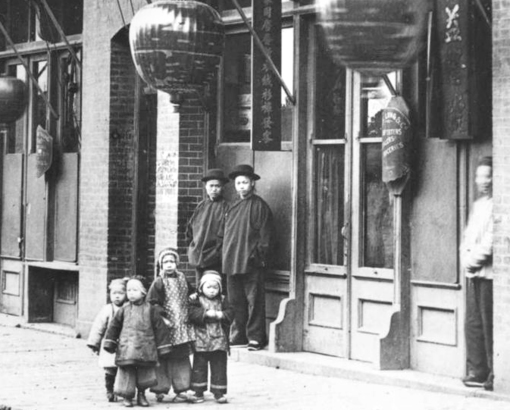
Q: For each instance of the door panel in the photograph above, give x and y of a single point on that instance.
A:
(66, 209)
(11, 205)
(11, 295)
(35, 212)
(372, 224)
(324, 322)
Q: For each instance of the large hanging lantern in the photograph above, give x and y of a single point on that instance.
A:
(374, 36)
(177, 45)
(13, 99)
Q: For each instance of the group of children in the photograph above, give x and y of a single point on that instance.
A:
(146, 335)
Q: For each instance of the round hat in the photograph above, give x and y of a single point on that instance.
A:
(245, 170)
(215, 173)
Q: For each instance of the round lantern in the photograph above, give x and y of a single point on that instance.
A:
(13, 99)
(177, 45)
(374, 36)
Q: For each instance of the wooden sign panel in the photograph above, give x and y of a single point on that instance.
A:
(265, 87)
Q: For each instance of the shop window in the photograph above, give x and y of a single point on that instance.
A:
(27, 22)
(329, 161)
(237, 87)
(377, 212)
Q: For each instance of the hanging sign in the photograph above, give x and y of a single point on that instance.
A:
(396, 141)
(44, 154)
(453, 37)
(266, 118)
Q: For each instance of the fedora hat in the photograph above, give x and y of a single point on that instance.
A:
(215, 173)
(243, 169)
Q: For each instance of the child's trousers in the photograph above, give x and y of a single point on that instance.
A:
(218, 362)
(130, 378)
(173, 372)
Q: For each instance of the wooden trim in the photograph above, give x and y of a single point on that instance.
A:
(61, 266)
(438, 285)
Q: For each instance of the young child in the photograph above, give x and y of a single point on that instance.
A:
(139, 336)
(211, 314)
(107, 360)
(170, 291)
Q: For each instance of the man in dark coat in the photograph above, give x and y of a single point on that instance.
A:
(204, 226)
(248, 226)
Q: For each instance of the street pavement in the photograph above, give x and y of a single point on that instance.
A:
(40, 370)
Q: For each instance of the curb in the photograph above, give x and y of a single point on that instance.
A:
(327, 366)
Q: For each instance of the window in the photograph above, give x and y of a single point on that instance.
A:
(237, 86)
(377, 208)
(329, 156)
(27, 22)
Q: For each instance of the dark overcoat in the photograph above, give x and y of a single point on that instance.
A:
(138, 334)
(203, 233)
(247, 235)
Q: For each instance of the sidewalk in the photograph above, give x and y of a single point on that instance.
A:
(41, 370)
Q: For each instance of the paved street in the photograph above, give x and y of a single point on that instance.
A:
(41, 370)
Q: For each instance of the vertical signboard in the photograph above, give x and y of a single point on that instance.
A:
(453, 35)
(265, 87)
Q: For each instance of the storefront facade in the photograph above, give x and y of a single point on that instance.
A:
(357, 273)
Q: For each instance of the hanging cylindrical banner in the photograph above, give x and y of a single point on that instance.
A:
(44, 151)
(396, 144)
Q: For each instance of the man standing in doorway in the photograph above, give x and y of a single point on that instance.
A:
(476, 259)
(206, 224)
(246, 241)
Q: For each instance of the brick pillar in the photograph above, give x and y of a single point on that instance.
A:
(181, 142)
(501, 152)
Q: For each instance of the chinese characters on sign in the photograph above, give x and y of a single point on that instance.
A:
(266, 90)
(452, 29)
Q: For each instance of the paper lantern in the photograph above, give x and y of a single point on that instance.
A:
(13, 99)
(177, 45)
(374, 36)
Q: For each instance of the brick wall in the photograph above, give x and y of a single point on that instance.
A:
(105, 160)
(501, 152)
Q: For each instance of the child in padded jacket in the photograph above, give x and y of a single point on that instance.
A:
(97, 332)
(211, 315)
(139, 336)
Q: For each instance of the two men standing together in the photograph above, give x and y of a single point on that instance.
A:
(234, 240)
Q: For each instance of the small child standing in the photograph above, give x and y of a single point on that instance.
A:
(95, 341)
(170, 291)
(212, 315)
(139, 336)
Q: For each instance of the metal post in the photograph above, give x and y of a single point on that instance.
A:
(60, 31)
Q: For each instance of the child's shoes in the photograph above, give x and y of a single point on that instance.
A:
(142, 400)
(196, 398)
(160, 397)
(220, 399)
(180, 398)
(127, 403)
(111, 396)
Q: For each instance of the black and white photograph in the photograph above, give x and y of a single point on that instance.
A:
(255, 204)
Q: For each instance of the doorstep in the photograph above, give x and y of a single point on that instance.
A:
(55, 328)
(321, 365)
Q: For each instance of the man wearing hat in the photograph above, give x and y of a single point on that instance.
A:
(248, 226)
(204, 251)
